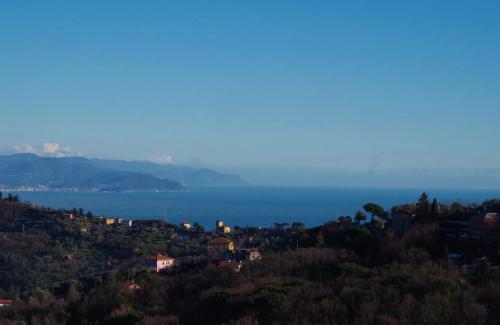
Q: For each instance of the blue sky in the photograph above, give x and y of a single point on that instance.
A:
(309, 84)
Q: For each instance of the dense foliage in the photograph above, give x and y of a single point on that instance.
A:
(82, 271)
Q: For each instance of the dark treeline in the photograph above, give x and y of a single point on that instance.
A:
(350, 271)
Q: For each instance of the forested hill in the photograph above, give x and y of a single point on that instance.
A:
(82, 271)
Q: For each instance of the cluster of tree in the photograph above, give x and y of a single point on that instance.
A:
(10, 198)
(336, 273)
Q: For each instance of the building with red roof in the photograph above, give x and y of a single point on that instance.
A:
(159, 262)
(219, 247)
(5, 302)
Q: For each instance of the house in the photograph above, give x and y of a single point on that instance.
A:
(132, 286)
(109, 221)
(5, 302)
(220, 227)
(69, 216)
(126, 223)
(485, 227)
(249, 254)
(219, 247)
(159, 262)
(185, 225)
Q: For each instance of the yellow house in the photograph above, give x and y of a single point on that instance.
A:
(110, 221)
(185, 225)
(220, 227)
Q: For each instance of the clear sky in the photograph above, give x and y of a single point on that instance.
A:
(317, 84)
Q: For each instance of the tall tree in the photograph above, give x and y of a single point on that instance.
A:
(375, 210)
(298, 226)
(423, 207)
(320, 239)
(360, 216)
(434, 209)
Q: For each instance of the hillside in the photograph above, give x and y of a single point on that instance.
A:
(81, 270)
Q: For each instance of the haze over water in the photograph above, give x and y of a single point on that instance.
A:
(249, 205)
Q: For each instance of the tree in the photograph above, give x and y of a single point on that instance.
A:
(434, 209)
(12, 198)
(360, 216)
(298, 226)
(423, 207)
(375, 210)
(197, 228)
(320, 239)
(1, 196)
(72, 295)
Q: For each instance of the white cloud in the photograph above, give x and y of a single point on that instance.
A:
(47, 149)
(24, 148)
(51, 148)
(54, 149)
(162, 160)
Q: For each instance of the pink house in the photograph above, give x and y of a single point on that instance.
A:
(159, 262)
(5, 302)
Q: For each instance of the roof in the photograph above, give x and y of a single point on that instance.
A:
(159, 257)
(492, 216)
(5, 301)
(229, 264)
(220, 240)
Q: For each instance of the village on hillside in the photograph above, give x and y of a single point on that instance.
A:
(70, 253)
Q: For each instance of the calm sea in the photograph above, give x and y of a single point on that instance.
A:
(253, 205)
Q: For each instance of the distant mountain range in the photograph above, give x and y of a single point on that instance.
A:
(29, 171)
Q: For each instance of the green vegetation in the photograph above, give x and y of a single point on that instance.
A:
(82, 271)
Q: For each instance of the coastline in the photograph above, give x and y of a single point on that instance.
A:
(247, 205)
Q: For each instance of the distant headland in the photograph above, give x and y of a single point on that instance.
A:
(29, 172)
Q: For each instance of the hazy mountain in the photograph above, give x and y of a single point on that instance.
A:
(182, 174)
(31, 171)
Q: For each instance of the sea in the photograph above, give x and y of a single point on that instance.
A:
(246, 205)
